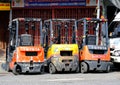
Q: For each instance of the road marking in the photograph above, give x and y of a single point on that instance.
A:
(66, 79)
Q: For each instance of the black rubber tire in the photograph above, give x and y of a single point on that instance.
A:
(78, 69)
(52, 69)
(83, 67)
(42, 70)
(15, 70)
(108, 68)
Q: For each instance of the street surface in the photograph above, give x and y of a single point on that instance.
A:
(8, 78)
(112, 78)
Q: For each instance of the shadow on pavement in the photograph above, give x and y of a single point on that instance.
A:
(3, 68)
(2, 52)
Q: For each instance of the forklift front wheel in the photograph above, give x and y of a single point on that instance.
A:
(52, 69)
(84, 67)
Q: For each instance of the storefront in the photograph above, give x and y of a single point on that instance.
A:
(4, 20)
(46, 9)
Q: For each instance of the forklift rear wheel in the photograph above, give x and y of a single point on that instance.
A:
(108, 69)
(42, 70)
(52, 69)
(16, 70)
(84, 67)
(78, 69)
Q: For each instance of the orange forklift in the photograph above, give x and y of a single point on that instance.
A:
(93, 45)
(24, 53)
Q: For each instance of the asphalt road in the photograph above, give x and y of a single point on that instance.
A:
(112, 78)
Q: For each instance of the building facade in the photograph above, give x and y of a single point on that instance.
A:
(45, 9)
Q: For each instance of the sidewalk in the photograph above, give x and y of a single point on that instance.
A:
(2, 55)
(2, 68)
(2, 62)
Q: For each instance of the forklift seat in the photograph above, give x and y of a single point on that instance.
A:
(26, 40)
(91, 39)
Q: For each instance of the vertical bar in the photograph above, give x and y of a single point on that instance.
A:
(10, 14)
(106, 29)
(98, 9)
(84, 31)
(98, 16)
(53, 13)
(76, 37)
(17, 24)
(51, 33)
(41, 35)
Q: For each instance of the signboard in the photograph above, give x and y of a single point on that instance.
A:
(18, 3)
(92, 2)
(4, 6)
(30, 3)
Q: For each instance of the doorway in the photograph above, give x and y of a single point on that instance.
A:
(4, 21)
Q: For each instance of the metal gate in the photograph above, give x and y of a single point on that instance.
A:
(56, 12)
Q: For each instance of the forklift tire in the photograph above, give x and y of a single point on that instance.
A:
(52, 69)
(15, 70)
(84, 67)
(42, 70)
(78, 69)
(108, 69)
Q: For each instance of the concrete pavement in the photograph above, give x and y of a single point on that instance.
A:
(2, 62)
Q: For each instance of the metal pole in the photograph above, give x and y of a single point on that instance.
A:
(98, 9)
(10, 15)
(98, 17)
(10, 26)
(76, 29)
(17, 28)
(41, 34)
(51, 32)
(106, 30)
(84, 32)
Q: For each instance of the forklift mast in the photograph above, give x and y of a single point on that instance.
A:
(60, 31)
(88, 32)
(23, 32)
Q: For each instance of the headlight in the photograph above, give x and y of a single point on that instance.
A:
(117, 52)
